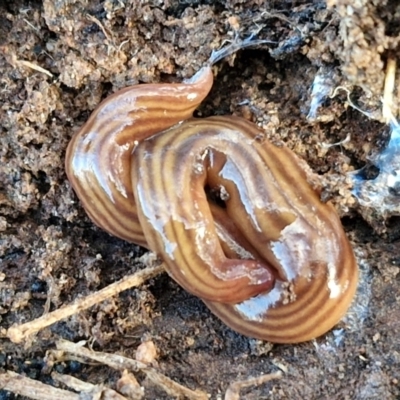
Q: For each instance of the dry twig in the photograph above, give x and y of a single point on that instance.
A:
(93, 391)
(122, 363)
(19, 332)
(233, 391)
(28, 387)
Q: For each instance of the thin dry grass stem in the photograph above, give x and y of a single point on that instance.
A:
(100, 25)
(387, 101)
(233, 391)
(103, 29)
(31, 65)
(32, 26)
(17, 333)
(19, 384)
(122, 363)
(335, 93)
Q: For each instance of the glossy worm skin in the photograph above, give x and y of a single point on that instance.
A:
(233, 217)
(98, 157)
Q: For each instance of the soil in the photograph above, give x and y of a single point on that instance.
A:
(60, 58)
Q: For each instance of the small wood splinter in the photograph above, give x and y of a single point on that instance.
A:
(233, 391)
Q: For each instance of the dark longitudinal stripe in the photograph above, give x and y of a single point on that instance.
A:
(165, 165)
(109, 165)
(280, 326)
(125, 117)
(310, 302)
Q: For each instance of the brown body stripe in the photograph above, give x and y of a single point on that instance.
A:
(140, 166)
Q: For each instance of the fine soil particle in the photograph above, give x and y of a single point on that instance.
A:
(60, 58)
